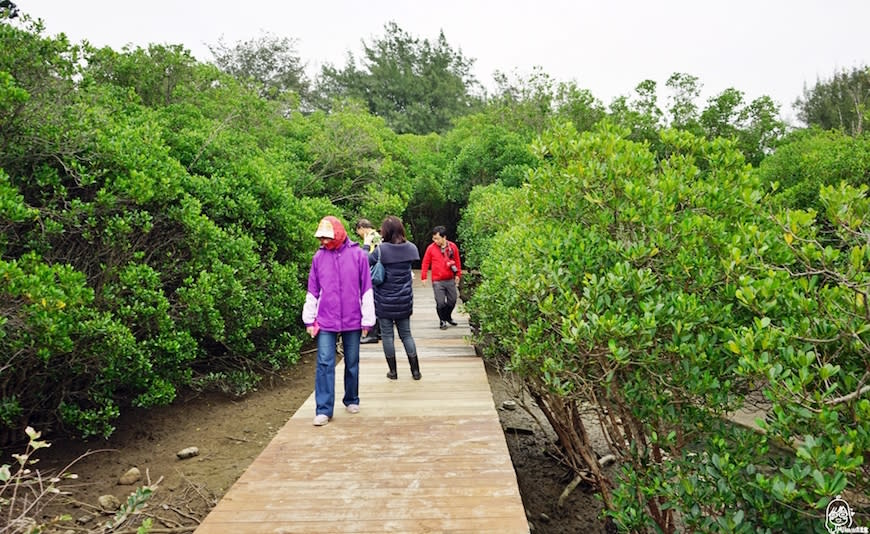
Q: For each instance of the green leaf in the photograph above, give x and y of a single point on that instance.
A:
(820, 480)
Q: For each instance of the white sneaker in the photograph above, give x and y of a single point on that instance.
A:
(353, 408)
(321, 419)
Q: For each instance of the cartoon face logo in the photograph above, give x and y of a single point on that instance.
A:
(838, 515)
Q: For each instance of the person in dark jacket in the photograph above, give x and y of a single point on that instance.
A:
(371, 239)
(394, 299)
(339, 301)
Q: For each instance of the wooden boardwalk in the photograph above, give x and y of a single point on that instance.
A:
(421, 456)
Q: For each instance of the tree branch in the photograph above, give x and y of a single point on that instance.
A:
(855, 394)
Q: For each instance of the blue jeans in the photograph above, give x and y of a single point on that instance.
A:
(324, 378)
(387, 337)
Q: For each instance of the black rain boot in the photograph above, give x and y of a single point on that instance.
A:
(391, 363)
(415, 367)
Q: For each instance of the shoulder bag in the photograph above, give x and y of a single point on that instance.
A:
(377, 270)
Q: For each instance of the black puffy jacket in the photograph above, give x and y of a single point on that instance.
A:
(394, 299)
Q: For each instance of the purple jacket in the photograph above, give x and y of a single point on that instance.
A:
(340, 294)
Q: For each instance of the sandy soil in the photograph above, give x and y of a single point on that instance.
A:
(230, 433)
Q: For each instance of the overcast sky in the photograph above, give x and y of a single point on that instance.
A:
(770, 47)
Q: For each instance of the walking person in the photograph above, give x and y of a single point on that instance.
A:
(394, 298)
(339, 302)
(371, 239)
(442, 256)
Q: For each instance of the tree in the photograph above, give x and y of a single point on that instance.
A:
(35, 86)
(9, 7)
(357, 162)
(579, 106)
(270, 64)
(808, 160)
(428, 206)
(837, 103)
(721, 116)
(611, 300)
(154, 73)
(124, 275)
(657, 295)
(762, 129)
(487, 153)
(756, 126)
(528, 104)
(683, 110)
(416, 86)
(641, 114)
(523, 102)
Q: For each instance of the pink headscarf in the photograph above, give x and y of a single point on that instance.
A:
(339, 234)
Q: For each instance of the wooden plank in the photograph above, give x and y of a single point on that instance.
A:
(446, 496)
(421, 456)
(429, 476)
(364, 510)
(453, 525)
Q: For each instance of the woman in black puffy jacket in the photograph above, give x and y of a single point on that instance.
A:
(394, 298)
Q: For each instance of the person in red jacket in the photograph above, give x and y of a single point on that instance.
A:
(443, 258)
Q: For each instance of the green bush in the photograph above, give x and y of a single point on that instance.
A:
(655, 297)
(808, 346)
(491, 153)
(492, 209)
(811, 159)
(58, 351)
(152, 236)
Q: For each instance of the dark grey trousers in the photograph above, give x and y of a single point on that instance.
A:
(445, 298)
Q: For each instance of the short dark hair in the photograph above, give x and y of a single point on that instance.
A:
(440, 230)
(363, 223)
(392, 230)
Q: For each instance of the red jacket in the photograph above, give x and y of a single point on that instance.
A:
(434, 258)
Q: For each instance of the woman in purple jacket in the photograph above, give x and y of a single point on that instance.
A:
(339, 301)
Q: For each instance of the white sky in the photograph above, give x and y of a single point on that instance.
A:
(770, 47)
